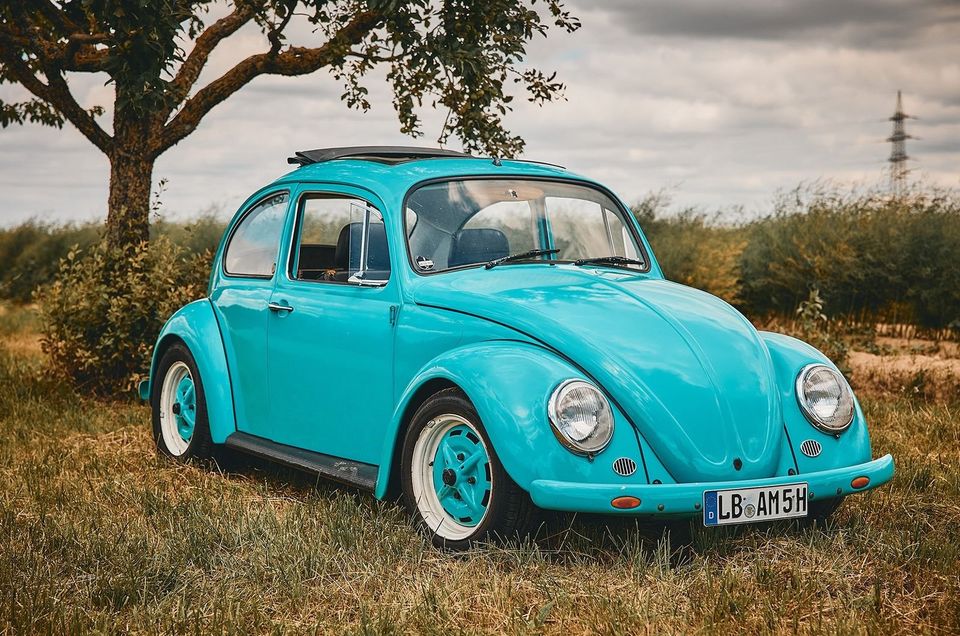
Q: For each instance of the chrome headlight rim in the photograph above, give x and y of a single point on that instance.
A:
(570, 444)
(815, 421)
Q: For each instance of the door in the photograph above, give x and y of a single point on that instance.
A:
(242, 291)
(331, 332)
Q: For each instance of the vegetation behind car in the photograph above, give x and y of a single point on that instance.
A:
(872, 260)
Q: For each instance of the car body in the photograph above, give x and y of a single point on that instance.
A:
(583, 386)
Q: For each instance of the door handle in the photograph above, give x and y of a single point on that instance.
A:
(278, 307)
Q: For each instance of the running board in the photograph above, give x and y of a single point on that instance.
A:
(342, 470)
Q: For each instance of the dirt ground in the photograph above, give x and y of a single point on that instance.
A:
(920, 368)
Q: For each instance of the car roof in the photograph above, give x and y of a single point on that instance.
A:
(391, 177)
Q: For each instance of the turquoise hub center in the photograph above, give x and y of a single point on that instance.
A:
(461, 475)
(185, 408)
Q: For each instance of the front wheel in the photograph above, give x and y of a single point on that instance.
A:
(180, 426)
(453, 483)
(823, 509)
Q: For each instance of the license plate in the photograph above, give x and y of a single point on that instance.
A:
(749, 505)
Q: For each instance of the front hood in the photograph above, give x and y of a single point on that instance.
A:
(687, 369)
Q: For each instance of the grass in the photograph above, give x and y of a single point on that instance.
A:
(98, 533)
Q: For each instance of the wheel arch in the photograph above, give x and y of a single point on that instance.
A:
(164, 342)
(509, 384)
(195, 326)
(420, 395)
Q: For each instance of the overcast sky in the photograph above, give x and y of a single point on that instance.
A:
(718, 103)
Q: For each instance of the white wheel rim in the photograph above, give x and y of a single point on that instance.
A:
(168, 419)
(425, 488)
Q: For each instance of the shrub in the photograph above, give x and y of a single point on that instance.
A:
(872, 256)
(102, 314)
(30, 252)
(196, 236)
(814, 328)
(810, 324)
(693, 248)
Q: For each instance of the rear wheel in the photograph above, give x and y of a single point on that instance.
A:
(180, 426)
(453, 483)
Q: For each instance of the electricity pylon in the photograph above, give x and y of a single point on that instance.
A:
(898, 152)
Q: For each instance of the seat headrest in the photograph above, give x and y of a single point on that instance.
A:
(378, 255)
(477, 245)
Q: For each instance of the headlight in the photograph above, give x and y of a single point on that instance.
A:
(825, 398)
(581, 417)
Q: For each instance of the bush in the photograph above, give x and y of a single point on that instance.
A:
(102, 314)
(872, 256)
(197, 236)
(693, 248)
(813, 327)
(29, 254)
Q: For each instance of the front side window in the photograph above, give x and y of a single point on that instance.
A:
(473, 221)
(340, 239)
(253, 247)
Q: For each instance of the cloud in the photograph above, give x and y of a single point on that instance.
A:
(862, 23)
(719, 103)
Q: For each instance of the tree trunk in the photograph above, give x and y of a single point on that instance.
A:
(128, 213)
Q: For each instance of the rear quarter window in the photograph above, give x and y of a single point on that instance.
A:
(254, 244)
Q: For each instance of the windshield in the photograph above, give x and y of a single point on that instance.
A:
(472, 221)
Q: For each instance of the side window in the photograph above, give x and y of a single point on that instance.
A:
(253, 248)
(340, 239)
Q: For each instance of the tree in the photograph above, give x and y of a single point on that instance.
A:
(458, 55)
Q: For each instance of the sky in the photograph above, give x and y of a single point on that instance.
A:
(718, 105)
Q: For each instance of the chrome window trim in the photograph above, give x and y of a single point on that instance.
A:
(302, 197)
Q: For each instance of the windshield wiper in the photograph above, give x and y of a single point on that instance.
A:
(609, 260)
(518, 257)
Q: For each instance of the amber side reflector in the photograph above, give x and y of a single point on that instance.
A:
(625, 503)
(860, 482)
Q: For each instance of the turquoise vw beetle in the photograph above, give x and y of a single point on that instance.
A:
(488, 338)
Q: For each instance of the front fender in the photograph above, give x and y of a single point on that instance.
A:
(846, 449)
(509, 383)
(196, 325)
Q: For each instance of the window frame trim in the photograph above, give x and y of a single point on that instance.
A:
(293, 252)
(632, 225)
(233, 230)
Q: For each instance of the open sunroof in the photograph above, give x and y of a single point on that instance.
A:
(381, 154)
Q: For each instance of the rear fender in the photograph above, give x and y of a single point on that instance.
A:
(196, 325)
(509, 383)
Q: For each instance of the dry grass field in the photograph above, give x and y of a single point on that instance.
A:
(98, 533)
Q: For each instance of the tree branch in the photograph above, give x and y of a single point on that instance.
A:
(86, 59)
(62, 98)
(292, 61)
(56, 16)
(55, 92)
(78, 53)
(223, 28)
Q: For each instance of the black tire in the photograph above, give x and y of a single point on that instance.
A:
(200, 446)
(510, 512)
(822, 509)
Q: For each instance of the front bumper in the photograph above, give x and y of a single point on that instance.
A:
(687, 499)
